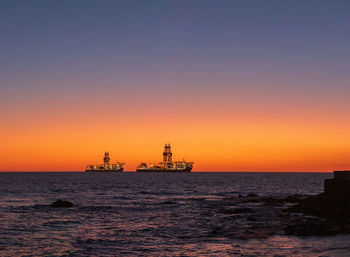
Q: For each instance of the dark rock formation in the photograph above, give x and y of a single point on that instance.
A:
(251, 216)
(280, 201)
(333, 206)
(252, 234)
(339, 186)
(313, 227)
(326, 206)
(61, 204)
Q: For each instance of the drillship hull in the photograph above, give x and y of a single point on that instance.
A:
(106, 167)
(106, 171)
(165, 170)
(167, 165)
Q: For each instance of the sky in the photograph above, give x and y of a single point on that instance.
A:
(232, 85)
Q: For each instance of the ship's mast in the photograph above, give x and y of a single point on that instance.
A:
(167, 155)
(106, 159)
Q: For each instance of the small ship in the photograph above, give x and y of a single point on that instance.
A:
(167, 165)
(106, 166)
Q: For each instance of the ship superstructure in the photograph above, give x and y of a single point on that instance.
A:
(107, 166)
(167, 165)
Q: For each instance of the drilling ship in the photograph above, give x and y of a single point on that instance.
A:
(167, 165)
(107, 166)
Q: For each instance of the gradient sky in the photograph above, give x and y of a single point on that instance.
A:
(232, 85)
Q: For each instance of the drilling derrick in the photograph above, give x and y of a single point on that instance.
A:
(167, 165)
(167, 155)
(106, 159)
(107, 166)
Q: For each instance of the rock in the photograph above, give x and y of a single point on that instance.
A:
(292, 199)
(253, 200)
(311, 227)
(252, 234)
(326, 206)
(280, 201)
(342, 175)
(333, 205)
(61, 204)
(339, 186)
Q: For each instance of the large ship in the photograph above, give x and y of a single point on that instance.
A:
(167, 165)
(107, 166)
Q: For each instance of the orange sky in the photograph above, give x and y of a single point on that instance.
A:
(233, 86)
(226, 136)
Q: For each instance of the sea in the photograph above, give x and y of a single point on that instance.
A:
(154, 214)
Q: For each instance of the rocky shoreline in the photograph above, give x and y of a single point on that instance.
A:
(332, 206)
(258, 217)
(330, 216)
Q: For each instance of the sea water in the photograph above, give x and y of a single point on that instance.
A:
(153, 214)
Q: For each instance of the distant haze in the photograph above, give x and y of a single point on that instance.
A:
(232, 85)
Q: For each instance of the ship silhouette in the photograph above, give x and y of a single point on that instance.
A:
(167, 165)
(107, 166)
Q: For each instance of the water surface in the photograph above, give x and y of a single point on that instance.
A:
(134, 214)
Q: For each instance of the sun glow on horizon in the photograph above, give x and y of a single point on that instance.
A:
(222, 145)
(234, 86)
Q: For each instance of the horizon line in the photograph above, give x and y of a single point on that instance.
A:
(134, 171)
